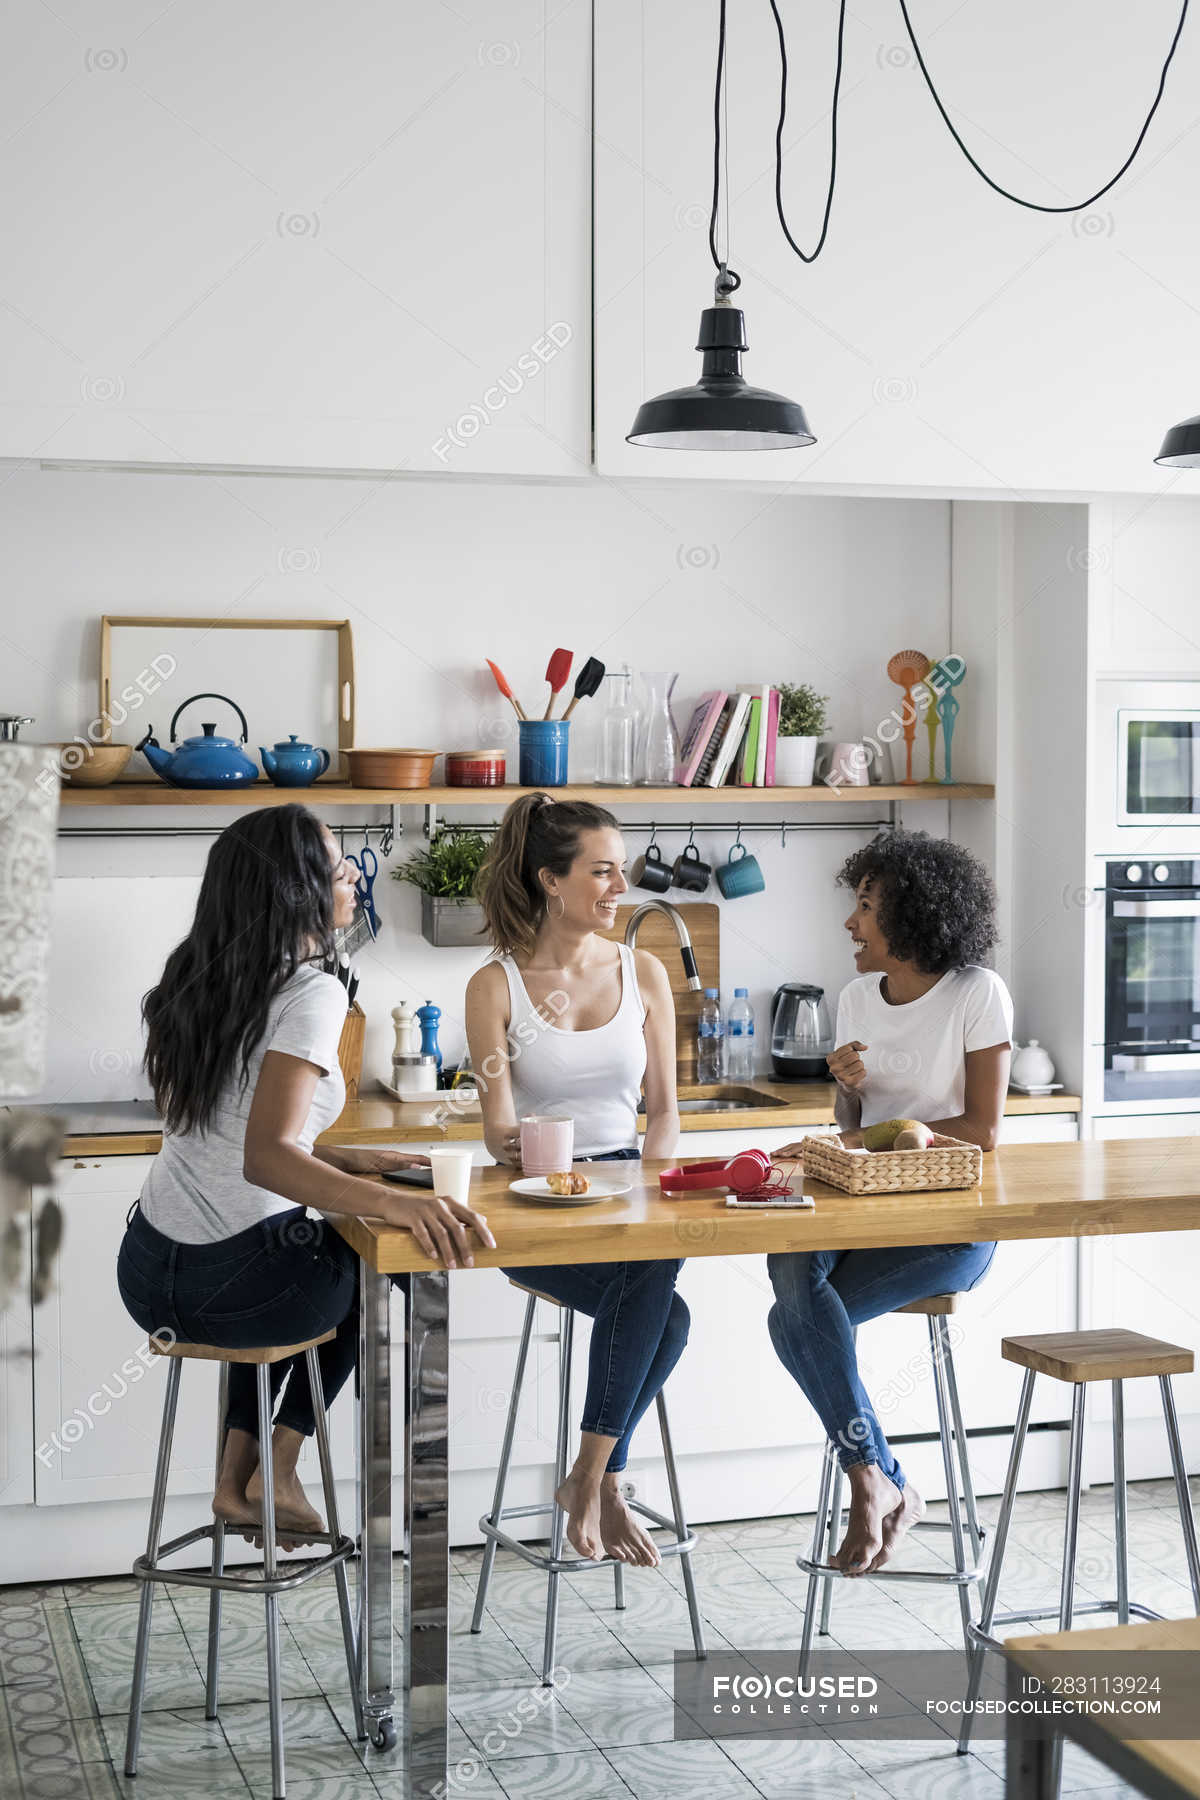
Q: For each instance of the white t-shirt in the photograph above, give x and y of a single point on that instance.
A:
(195, 1192)
(915, 1052)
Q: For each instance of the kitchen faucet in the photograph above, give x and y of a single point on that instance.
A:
(681, 932)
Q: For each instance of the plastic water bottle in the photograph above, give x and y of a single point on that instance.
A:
(739, 1038)
(711, 1038)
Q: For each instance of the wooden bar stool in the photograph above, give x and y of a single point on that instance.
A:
(967, 1536)
(1080, 1357)
(555, 1563)
(270, 1583)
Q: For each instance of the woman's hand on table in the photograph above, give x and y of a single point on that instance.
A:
(363, 1159)
(441, 1226)
(847, 1066)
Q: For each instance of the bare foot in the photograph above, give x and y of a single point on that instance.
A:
(295, 1519)
(873, 1498)
(620, 1533)
(234, 1508)
(581, 1503)
(910, 1510)
(239, 1461)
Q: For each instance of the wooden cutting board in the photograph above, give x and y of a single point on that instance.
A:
(657, 934)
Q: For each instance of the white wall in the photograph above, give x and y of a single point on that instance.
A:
(436, 575)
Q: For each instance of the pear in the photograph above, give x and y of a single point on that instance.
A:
(887, 1133)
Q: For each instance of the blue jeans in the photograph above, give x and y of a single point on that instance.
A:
(821, 1295)
(639, 1329)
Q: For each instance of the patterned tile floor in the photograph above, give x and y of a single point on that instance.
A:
(66, 1652)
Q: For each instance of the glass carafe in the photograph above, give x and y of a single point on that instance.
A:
(618, 731)
(658, 739)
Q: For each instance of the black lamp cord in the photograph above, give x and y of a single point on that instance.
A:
(728, 281)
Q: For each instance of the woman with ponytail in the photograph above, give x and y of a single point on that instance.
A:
(572, 1023)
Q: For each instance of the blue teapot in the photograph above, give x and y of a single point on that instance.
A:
(202, 762)
(294, 764)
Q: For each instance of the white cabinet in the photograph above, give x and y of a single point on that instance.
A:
(16, 1373)
(313, 237)
(946, 339)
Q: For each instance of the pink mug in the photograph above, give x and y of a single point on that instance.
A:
(547, 1145)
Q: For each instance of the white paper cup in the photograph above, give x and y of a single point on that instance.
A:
(547, 1145)
(452, 1174)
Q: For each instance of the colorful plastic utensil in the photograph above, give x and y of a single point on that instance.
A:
(946, 675)
(558, 670)
(586, 683)
(502, 684)
(926, 695)
(906, 668)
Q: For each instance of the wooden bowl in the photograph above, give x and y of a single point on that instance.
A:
(92, 765)
(390, 768)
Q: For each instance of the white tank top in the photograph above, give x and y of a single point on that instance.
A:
(593, 1077)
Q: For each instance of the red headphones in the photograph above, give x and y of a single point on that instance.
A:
(748, 1170)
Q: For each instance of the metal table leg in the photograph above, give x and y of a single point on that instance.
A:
(375, 1508)
(427, 1524)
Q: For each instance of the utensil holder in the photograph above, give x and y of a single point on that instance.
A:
(350, 1048)
(543, 759)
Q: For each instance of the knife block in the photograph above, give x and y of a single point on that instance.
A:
(350, 1048)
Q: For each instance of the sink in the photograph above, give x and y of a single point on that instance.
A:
(718, 1106)
(719, 1097)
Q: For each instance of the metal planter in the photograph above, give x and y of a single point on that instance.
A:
(452, 924)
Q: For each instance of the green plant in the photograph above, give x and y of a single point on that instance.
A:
(447, 867)
(801, 710)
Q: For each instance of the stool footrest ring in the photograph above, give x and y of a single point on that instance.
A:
(561, 1565)
(935, 1578)
(1029, 1617)
(257, 1583)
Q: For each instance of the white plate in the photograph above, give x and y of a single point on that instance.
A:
(535, 1187)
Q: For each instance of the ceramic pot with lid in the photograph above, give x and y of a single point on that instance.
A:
(293, 764)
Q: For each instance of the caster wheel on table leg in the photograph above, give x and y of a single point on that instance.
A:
(384, 1735)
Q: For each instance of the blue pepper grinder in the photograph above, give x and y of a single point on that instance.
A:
(428, 1016)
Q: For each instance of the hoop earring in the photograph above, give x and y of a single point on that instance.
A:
(562, 912)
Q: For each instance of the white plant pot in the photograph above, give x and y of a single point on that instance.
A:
(794, 758)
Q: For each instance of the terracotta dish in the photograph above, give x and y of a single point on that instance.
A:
(390, 768)
(92, 765)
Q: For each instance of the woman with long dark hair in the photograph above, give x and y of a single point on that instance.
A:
(925, 1032)
(241, 1049)
(565, 1022)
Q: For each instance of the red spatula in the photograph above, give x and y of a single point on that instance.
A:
(558, 670)
(502, 684)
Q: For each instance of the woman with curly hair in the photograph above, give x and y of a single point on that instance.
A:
(925, 1032)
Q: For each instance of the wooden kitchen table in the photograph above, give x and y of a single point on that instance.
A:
(1028, 1191)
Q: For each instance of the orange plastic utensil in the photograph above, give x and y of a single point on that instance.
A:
(558, 670)
(502, 684)
(906, 668)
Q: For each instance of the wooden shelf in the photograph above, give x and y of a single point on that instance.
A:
(328, 793)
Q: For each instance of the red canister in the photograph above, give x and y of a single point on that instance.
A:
(475, 768)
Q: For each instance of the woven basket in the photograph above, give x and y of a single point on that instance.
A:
(947, 1163)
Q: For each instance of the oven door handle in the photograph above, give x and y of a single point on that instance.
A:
(1156, 909)
(1164, 1063)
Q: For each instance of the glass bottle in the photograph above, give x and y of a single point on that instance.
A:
(658, 739)
(618, 731)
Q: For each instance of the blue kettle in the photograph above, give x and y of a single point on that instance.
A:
(293, 764)
(202, 762)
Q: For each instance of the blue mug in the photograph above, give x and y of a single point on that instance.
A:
(741, 875)
(543, 757)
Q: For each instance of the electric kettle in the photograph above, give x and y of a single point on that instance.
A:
(801, 1037)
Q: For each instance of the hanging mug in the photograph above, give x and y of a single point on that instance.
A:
(742, 873)
(690, 872)
(650, 871)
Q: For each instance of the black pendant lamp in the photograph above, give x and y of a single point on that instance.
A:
(1181, 446)
(721, 411)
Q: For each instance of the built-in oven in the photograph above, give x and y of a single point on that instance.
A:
(1152, 980)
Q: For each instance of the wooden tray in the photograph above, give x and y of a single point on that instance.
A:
(947, 1163)
(350, 1048)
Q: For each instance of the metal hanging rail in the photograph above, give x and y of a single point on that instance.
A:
(779, 827)
(386, 834)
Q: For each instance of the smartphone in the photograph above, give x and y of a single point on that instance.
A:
(418, 1177)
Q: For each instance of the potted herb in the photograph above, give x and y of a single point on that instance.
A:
(802, 720)
(445, 872)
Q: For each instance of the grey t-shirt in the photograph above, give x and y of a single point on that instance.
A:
(195, 1192)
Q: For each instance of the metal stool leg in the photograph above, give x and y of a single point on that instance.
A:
(810, 1603)
(681, 1530)
(988, 1608)
(1120, 1507)
(333, 1525)
(510, 1431)
(960, 1439)
(1066, 1603)
(835, 1531)
(1182, 1493)
(153, 1538)
(269, 1570)
(566, 1325)
(213, 1674)
(619, 1586)
(941, 1389)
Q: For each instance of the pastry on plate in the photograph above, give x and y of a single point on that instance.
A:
(567, 1183)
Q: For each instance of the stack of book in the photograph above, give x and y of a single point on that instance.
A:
(730, 739)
